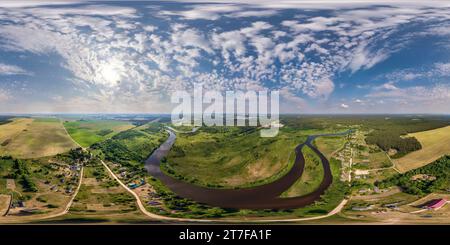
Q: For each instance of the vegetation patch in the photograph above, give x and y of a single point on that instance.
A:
(435, 144)
(40, 185)
(131, 147)
(103, 196)
(440, 180)
(231, 157)
(88, 132)
(38, 138)
(330, 144)
(311, 178)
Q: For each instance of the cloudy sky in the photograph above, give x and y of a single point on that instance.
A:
(323, 56)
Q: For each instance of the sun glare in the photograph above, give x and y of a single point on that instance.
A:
(110, 74)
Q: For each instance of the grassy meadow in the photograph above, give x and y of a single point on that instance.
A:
(311, 178)
(231, 157)
(101, 194)
(34, 138)
(88, 132)
(435, 143)
(330, 144)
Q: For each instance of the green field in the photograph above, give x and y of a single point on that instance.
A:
(88, 132)
(131, 147)
(41, 184)
(311, 178)
(330, 144)
(101, 194)
(33, 138)
(435, 143)
(231, 157)
(11, 128)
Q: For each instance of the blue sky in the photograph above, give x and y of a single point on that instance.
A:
(128, 57)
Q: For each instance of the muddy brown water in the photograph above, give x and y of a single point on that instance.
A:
(259, 197)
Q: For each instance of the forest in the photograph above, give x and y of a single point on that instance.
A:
(424, 180)
(392, 139)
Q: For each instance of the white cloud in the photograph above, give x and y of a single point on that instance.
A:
(387, 86)
(21, 4)
(109, 50)
(207, 11)
(443, 69)
(252, 13)
(416, 97)
(344, 106)
(6, 69)
(292, 102)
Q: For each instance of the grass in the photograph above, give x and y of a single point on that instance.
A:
(328, 145)
(11, 129)
(330, 199)
(37, 138)
(4, 202)
(435, 144)
(379, 160)
(44, 173)
(88, 132)
(311, 178)
(231, 157)
(101, 194)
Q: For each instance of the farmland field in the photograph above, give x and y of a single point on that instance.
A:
(32, 138)
(88, 132)
(435, 143)
(11, 129)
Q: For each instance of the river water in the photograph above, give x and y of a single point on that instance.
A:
(260, 197)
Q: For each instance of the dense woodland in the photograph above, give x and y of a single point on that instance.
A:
(392, 139)
(438, 178)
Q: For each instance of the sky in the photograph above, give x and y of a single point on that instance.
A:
(129, 57)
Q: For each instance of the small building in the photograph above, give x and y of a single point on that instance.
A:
(435, 204)
(362, 208)
(133, 185)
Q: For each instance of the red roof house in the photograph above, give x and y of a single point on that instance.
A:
(436, 203)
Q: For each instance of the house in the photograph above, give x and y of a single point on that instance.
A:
(363, 208)
(435, 204)
(133, 185)
(154, 203)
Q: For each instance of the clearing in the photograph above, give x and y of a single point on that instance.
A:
(434, 145)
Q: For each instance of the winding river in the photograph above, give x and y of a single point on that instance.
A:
(260, 197)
